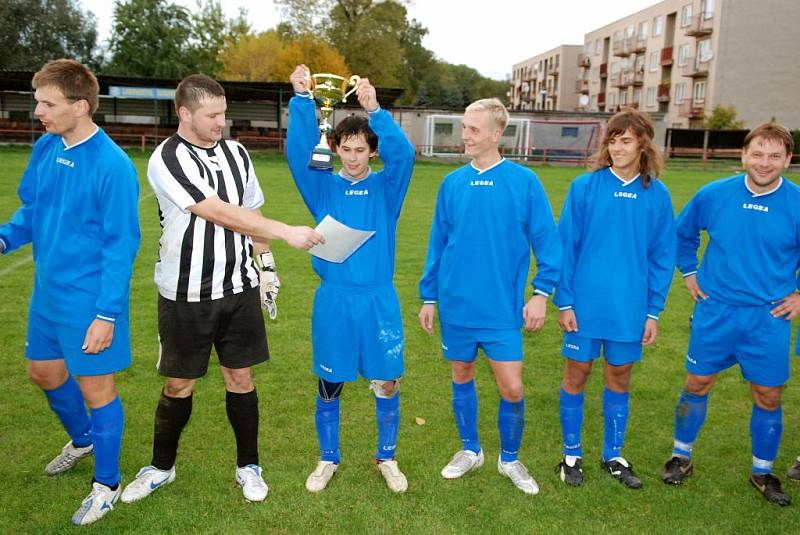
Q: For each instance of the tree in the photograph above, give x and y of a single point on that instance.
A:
(723, 118)
(304, 17)
(161, 39)
(271, 56)
(36, 31)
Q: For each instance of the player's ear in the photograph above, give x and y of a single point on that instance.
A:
(184, 113)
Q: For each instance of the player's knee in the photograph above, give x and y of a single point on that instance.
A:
(699, 384)
(767, 398)
(385, 389)
(575, 376)
(45, 375)
(329, 391)
(178, 388)
(238, 380)
(511, 391)
(463, 372)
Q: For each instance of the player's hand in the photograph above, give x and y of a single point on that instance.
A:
(534, 313)
(98, 337)
(366, 95)
(303, 237)
(426, 315)
(789, 307)
(650, 332)
(301, 79)
(268, 283)
(694, 289)
(567, 321)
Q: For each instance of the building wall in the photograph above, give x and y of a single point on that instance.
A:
(546, 81)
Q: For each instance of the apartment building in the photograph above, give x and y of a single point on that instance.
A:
(546, 81)
(683, 57)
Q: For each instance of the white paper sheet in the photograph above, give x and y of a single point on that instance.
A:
(340, 240)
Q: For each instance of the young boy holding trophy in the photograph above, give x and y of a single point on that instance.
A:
(356, 324)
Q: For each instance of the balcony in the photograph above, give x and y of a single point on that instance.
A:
(604, 70)
(638, 77)
(693, 109)
(695, 68)
(639, 44)
(666, 56)
(629, 43)
(621, 48)
(618, 80)
(582, 86)
(601, 99)
(584, 61)
(701, 25)
(663, 92)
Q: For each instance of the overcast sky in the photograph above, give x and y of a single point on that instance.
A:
(489, 36)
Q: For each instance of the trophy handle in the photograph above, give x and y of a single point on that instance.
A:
(353, 81)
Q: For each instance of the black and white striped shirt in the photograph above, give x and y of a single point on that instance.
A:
(199, 260)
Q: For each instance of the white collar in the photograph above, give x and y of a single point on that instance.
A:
(353, 181)
(481, 171)
(84, 140)
(754, 194)
(624, 182)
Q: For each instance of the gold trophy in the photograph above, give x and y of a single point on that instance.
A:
(328, 90)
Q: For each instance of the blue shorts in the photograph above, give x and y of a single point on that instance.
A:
(723, 335)
(462, 343)
(47, 340)
(357, 331)
(587, 349)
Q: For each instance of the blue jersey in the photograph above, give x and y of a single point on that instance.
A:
(483, 229)
(754, 241)
(619, 254)
(373, 203)
(80, 210)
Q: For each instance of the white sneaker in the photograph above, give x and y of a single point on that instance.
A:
(322, 474)
(253, 486)
(99, 502)
(395, 479)
(68, 458)
(519, 475)
(462, 462)
(148, 479)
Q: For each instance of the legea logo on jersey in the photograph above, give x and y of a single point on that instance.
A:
(350, 192)
(690, 359)
(573, 347)
(756, 207)
(326, 368)
(481, 183)
(64, 161)
(625, 194)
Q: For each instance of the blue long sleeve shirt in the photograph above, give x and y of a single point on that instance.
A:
(373, 203)
(484, 226)
(754, 241)
(619, 254)
(80, 211)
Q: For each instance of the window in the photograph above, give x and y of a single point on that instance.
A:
(594, 107)
(637, 96)
(623, 98)
(683, 54)
(686, 15)
(654, 59)
(680, 92)
(704, 50)
(658, 25)
(598, 46)
(614, 68)
(629, 31)
(612, 100)
(617, 37)
(639, 64)
(708, 9)
(699, 92)
(569, 131)
(651, 97)
(643, 29)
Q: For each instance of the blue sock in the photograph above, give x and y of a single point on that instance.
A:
(327, 419)
(615, 415)
(511, 423)
(766, 428)
(571, 409)
(387, 416)
(690, 413)
(465, 409)
(67, 402)
(108, 422)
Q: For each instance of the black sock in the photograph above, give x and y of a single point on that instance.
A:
(171, 417)
(242, 412)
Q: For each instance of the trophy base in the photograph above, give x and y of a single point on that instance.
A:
(321, 158)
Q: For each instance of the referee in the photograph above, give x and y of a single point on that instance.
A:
(208, 197)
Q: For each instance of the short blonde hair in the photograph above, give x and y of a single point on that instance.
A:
(496, 109)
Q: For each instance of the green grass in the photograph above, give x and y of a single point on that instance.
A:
(204, 498)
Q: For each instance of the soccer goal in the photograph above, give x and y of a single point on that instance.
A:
(443, 136)
(567, 141)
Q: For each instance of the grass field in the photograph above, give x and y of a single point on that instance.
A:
(205, 499)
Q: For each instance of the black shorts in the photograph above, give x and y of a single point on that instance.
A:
(233, 324)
